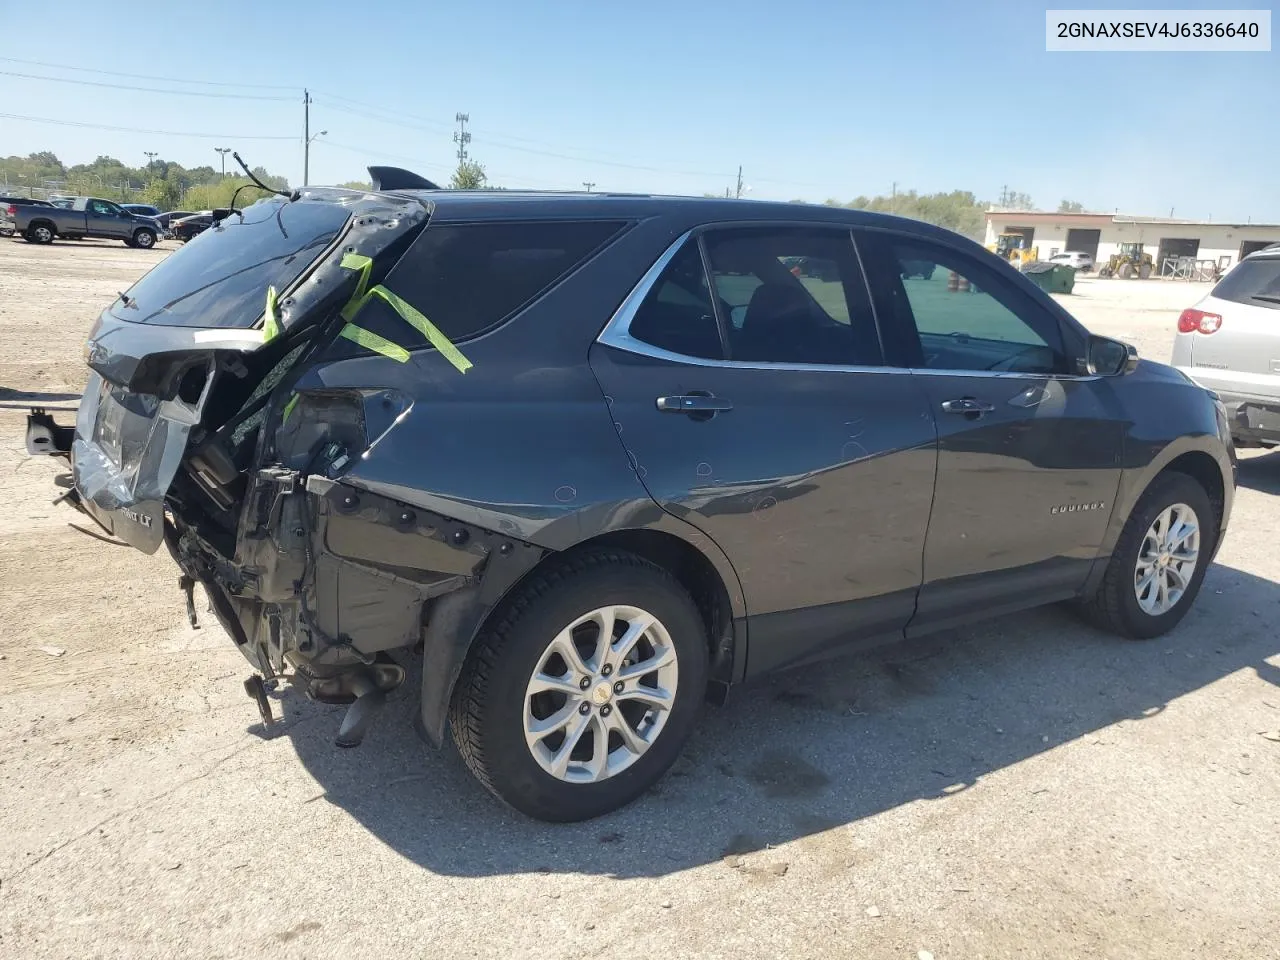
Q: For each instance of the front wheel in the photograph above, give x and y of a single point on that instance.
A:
(582, 694)
(1159, 560)
(144, 239)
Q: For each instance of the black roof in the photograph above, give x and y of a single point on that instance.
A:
(460, 205)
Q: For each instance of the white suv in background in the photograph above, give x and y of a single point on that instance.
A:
(1230, 343)
(1073, 258)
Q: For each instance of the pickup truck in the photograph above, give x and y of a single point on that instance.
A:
(86, 217)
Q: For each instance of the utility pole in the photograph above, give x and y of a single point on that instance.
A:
(222, 153)
(738, 193)
(461, 137)
(306, 137)
(588, 184)
(151, 156)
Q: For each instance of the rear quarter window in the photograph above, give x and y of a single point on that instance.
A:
(468, 278)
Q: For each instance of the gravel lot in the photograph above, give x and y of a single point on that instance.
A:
(1027, 788)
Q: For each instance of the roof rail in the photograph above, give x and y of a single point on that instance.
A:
(395, 178)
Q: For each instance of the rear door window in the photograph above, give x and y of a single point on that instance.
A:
(469, 278)
(1255, 282)
(792, 295)
(221, 281)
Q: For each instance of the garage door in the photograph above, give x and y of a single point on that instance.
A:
(1084, 241)
(1250, 246)
(1174, 247)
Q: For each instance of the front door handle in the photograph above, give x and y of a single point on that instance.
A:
(968, 406)
(694, 404)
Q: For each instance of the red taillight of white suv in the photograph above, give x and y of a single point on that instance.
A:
(1193, 321)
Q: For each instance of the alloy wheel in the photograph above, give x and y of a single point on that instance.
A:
(1167, 559)
(600, 694)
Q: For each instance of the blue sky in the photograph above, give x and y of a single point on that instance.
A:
(815, 100)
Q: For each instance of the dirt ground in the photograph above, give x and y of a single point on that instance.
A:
(1028, 788)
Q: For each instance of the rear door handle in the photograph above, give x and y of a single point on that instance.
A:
(968, 406)
(694, 403)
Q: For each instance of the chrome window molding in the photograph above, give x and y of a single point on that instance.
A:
(617, 334)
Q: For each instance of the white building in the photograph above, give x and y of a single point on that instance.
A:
(1100, 235)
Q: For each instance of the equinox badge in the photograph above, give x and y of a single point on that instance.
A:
(1077, 507)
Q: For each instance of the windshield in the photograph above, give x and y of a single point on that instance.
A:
(220, 278)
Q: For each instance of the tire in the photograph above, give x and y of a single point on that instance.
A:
(1114, 606)
(144, 239)
(129, 242)
(1144, 271)
(1126, 271)
(40, 233)
(492, 700)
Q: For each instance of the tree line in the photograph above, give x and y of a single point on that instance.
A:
(163, 183)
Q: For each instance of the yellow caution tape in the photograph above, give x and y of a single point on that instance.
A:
(356, 261)
(410, 314)
(371, 341)
(415, 319)
(288, 408)
(271, 317)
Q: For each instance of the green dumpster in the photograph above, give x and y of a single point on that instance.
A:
(1051, 277)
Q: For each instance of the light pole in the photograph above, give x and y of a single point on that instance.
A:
(222, 154)
(306, 156)
(588, 184)
(151, 156)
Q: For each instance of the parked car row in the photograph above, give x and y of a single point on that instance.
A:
(137, 224)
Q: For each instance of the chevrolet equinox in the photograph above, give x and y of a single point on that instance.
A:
(595, 457)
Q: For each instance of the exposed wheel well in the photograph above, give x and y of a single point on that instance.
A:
(42, 223)
(695, 573)
(1203, 469)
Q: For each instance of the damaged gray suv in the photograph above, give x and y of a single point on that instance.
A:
(596, 458)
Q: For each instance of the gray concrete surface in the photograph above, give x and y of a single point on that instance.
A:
(1027, 788)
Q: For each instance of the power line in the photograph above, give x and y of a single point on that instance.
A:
(147, 76)
(125, 86)
(164, 133)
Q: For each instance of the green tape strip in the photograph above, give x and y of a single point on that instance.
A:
(357, 261)
(371, 341)
(415, 319)
(410, 314)
(271, 317)
(288, 408)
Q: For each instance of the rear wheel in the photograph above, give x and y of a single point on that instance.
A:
(582, 694)
(40, 233)
(1144, 271)
(1159, 560)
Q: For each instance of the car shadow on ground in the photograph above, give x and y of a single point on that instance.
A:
(808, 750)
(1260, 472)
